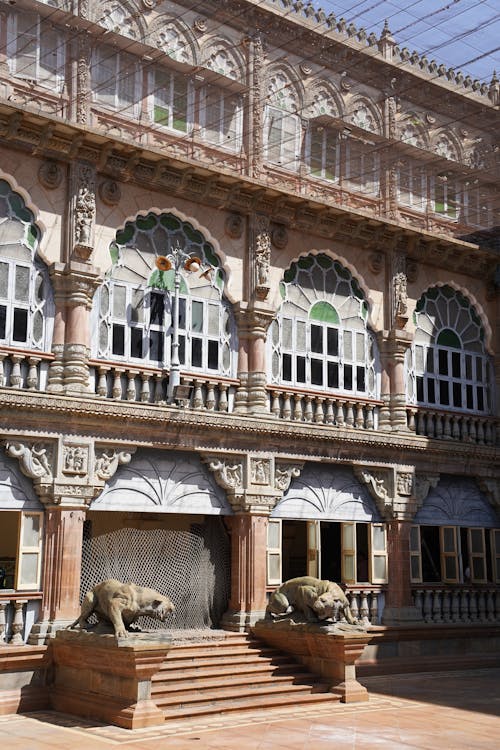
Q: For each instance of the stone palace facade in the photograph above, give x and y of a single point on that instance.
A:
(334, 412)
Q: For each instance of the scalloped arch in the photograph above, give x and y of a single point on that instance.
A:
(33, 209)
(124, 17)
(345, 263)
(478, 308)
(444, 142)
(321, 91)
(411, 129)
(369, 114)
(172, 34)
(283, 87)
(183, 217)
(219, 54)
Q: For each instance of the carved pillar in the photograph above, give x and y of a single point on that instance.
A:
(67, 474)
(255, 94)
(398, 493)
(241, 396)
(393, 347)
(252, 397)
(74, 285)
(81, 78)
(254, 484)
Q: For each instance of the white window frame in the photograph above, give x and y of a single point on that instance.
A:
(449, 554)
(23, 549)
(495, 554)
(477, 212)
(43, 33)
(349, 552)
(415, 543)
(374, 553)
(414, 193)
(168, 104)
(364, 177)
(328, 156)
(474, 555)
(229, 138)
(285, 150)
(121, 62)
(313, 548)
(451, 203)
(274, 551)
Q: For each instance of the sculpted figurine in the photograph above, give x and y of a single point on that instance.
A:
(121, 604)
(311, 597)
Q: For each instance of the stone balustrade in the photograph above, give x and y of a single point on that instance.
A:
(467, 428)
(302, 406)
(17, 614)
(148, 385)
(458, 604)
(367, 604)
(24, 370)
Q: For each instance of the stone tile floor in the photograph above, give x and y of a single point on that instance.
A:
(448, 710)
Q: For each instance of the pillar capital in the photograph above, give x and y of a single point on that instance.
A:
(75, 283)
(254, 483)
(398, 491)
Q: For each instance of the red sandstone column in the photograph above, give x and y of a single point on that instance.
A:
(399, 607)
(61, 571)
(56, 369)
(241, 396)
(248, 571)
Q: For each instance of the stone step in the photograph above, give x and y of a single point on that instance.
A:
(251, 703)
(216, 660)
(193, 651)
(236, 683)
(218, 695)
(250, 671)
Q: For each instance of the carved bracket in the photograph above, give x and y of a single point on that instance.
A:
(491, 488)
(253, 483)
(398, 491)
(36, 460)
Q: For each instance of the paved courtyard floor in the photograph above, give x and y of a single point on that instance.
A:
(447, 710)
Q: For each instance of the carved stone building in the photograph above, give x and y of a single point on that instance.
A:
(337, 333)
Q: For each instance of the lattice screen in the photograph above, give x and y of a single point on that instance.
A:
(191, 567)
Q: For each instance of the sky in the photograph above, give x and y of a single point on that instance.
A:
(453, 32)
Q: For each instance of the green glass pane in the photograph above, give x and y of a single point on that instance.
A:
(448, 292)
(342, 272)
(325, 313)
(306, 262)
(32, 235)
(192, 234)
(146, 222)
(289, 274)
(16, 204)
(446, 337)
(420, 305)
(169, 221)
(219, 279)
(324, 261)
(162, 280)
(114, 252)
(126, 234)
(210, 255)
(282, 289)
(432, 293)
(364, 311)
(4, 187)
(356, 289)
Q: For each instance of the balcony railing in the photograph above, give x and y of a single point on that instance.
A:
(149, 385)
(318, 408)
(24, 370)
(18, 612)
(366, 603)
(458, 604)
(466, 428)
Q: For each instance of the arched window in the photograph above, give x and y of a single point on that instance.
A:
(35, 50)
(26, 307)
(282, 125)
(448, 366)
(133, 309)
(320, 338)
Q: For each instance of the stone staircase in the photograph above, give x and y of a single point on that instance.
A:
(234, 673)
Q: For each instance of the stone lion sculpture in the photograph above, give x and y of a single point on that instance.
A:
(311, 597)
(121, 604)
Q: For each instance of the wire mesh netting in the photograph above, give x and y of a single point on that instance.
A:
(191, 567)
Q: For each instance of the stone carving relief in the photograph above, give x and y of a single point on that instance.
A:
(34, 459)
(228, 474)
(83, 79)
(404, 483)
(261, 246)
(110, 192)
(50, 175)
(283, 475)
(379, 483)
(234, 226)
(260, 471)
(84, 210)
(279, 237)
(107, 461)
(399, 292)
(376, 262)
(75, 460)
(423, 483)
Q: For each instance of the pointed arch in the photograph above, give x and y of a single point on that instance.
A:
(123, 17)
(365, 114)
(412, 130)
(173, 37)
(220, 55)
(445, 144)
(284, 90)
(324, 100)
(320, 338)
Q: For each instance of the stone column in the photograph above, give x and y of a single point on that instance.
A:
(254, 484)
(241, 396)
(61, 571)
(252, 396)
(393, 346)
(399, 607)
